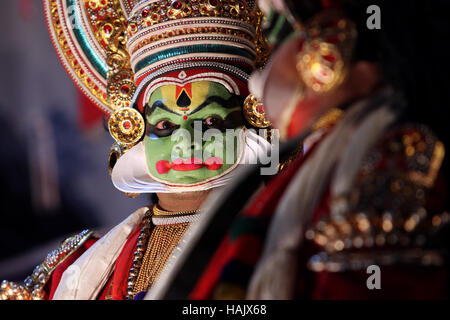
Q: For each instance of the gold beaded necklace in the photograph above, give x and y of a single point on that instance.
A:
(157, 211)
(154, 247)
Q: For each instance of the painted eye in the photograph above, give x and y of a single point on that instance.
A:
(164, 124)
(213, 122)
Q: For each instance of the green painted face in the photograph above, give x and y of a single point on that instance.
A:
(185, 141)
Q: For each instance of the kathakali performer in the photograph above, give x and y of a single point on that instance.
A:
(164, 71)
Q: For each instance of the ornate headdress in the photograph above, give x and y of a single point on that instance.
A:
(119, 51)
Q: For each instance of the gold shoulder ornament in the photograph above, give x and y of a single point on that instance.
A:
(33, 286)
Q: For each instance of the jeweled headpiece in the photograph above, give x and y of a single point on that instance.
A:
(119, 51)
(213, 39)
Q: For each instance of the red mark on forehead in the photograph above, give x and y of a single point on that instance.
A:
(187, 88)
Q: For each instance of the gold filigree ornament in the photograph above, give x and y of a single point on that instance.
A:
(324, 60)
(33, 286)
(261, 44)
(254, 113)
(126, 126)
(14, 291)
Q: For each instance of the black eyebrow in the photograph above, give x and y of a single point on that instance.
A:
(157, 104)
(233, 102)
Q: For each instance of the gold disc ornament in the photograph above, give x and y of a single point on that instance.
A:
(324, 60)
(126, 126)
(254, 113)
(321, 66)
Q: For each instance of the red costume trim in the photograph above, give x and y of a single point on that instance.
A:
(55, 278)
(262, 207)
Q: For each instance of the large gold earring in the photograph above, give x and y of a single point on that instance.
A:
(324, 60)
(254, 113)
(126, 126)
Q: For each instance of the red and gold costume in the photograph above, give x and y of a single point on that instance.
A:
(369, 194)
(194, 56)
(336, 252)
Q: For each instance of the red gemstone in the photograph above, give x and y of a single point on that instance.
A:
(177, 5)
(107, 29)
(213, 2)
(125, 89)
(330, 58)
(185, 117)
(127, 124)
(260, 109)
(145, 13)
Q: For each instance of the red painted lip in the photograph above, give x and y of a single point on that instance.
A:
(164, 166)
(187, 165)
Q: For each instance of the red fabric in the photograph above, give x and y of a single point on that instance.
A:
(267, 200)
(55, 277)
(227, 250)
(237, 250)
(206, 284)
(397, 282)
(121, 269)
(104, 292)
(123, 265)
(119, 277)
(306, 109)
(263, 206)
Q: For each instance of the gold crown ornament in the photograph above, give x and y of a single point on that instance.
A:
(119, 51)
